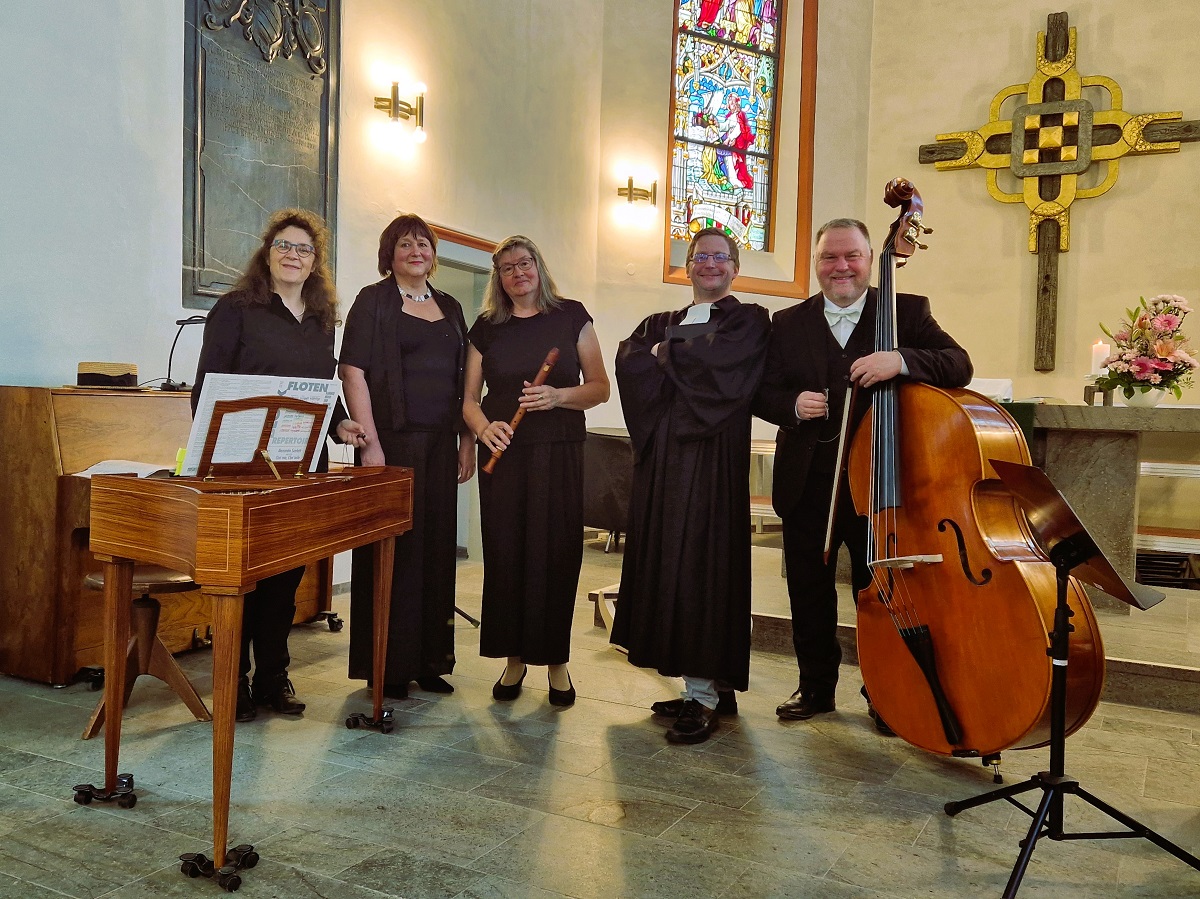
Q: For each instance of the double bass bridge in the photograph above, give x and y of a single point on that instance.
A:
(907, 561)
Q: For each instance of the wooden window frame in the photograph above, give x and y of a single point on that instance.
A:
(797, 287)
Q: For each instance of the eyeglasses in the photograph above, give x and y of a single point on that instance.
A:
(522, 265)
(302, 249)
(701, 258)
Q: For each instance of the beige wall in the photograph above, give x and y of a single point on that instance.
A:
(935, 67)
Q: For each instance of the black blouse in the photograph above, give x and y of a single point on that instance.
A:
(242, 337)
(378, 337)
(512, 354)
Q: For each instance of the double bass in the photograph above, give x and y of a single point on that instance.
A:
(954, 628)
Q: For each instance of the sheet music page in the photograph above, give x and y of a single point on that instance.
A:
(238, 437)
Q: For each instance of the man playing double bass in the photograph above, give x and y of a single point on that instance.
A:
(816, 350)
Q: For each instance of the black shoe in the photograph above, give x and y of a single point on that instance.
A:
(695, 723)
(246, 709)
(880, 724)
(434, 684)
(563, 697)
(502, 692)
(801, 706)
(279, 695)
(670, 708)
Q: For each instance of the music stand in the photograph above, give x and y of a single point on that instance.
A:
(1073, 552)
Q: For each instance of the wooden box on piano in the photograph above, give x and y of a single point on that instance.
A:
(50, 623)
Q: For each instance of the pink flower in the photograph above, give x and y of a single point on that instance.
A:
(1162, 364)
(1165, 322)
(1142, 368)
(1164, 348)
(1122, 336)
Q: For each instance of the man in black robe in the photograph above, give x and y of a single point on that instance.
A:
(817, 349)
(687, 379)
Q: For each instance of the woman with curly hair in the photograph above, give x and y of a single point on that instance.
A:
(277, 320)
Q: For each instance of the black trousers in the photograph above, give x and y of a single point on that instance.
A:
(266, 619)
(810, 580)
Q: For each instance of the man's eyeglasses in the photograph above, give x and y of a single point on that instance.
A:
(302, 249)
(701, 258)
(521, 265)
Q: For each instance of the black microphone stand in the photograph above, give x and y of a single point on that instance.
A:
(168, 384)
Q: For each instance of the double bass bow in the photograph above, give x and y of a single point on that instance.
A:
(954, 628)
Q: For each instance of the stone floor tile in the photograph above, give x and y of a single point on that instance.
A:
(591, 861)
(761, 838)
(400, 873)
(588, 799)
(491, 887)
(394, 756)
(678, 778)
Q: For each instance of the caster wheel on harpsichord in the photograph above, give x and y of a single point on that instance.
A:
(241, 857)
(384, 725)
(122, 795)
(195, 864)
(228, 879)
(331, 618)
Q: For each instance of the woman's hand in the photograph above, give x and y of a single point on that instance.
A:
(352, 433)
(496, 436)
(540, 399)
(371, 454)
(466, 458)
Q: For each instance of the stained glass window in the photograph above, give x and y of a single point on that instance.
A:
(726, 79)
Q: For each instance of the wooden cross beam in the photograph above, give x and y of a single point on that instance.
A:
(1052, 137)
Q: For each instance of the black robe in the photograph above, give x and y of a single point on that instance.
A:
(684, 606)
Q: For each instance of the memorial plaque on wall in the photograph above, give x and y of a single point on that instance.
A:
(260, 84)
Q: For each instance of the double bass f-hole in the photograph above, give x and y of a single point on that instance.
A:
(963, 558)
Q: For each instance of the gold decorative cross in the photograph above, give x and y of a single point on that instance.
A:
(1048, 141)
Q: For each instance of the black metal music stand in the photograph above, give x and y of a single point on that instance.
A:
(1073, 552)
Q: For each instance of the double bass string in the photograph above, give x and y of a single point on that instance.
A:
(883, 523)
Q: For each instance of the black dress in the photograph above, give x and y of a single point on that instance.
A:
(247, 338)
(532, 503)
(414, 372)
(684, 607)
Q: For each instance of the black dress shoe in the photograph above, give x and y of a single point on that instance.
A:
(280, 695)
(246, 709)
(880, 724)
(563, 697)
(502, 692)
(695, 723)
(800, 706)
(434, 684)
(670, 708)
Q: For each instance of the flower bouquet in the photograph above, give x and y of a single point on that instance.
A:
(1149, 350)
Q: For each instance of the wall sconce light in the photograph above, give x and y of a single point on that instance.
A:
(639, 193)
(398, 109)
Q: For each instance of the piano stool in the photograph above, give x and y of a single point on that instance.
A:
(147, 654)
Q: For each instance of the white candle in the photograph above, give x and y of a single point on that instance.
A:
(1100, 352)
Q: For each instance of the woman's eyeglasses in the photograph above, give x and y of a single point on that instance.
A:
(302, 249)
(522, 265)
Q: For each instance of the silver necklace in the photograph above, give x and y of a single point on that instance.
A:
(417, 298)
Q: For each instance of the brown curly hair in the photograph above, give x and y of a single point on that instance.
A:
(319, 293)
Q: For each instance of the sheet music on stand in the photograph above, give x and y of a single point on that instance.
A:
(240, 432)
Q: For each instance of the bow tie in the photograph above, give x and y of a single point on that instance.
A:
(838, 315)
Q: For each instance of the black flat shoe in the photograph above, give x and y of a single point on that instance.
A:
(670, 708)
(434, 684)
(502, 692)
(563, 697)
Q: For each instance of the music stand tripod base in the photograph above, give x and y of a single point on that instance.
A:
(1071, 548)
